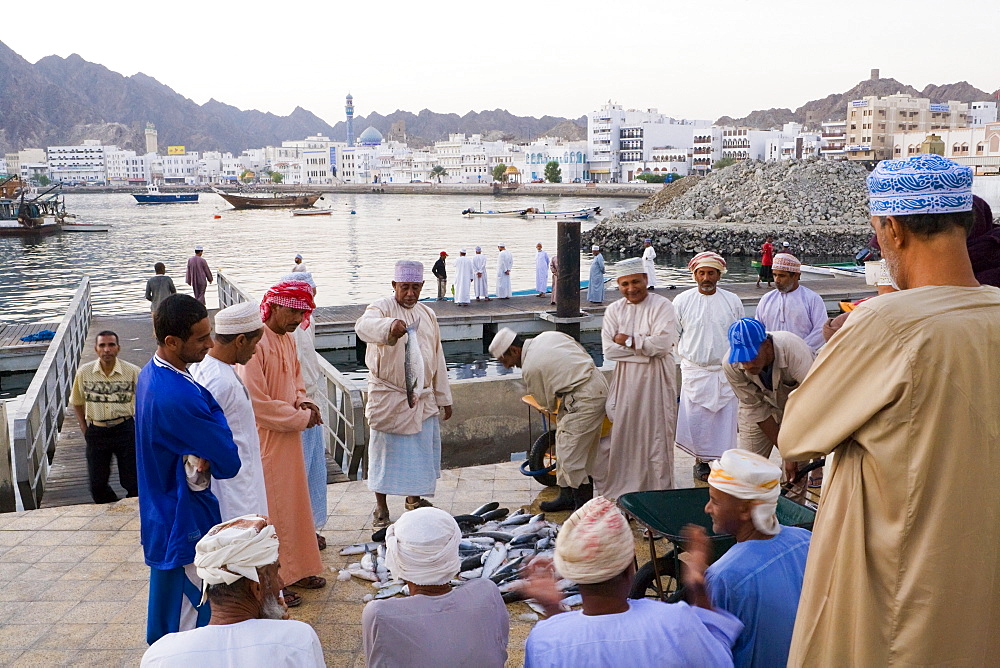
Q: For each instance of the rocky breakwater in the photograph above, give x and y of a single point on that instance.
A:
(819, 207)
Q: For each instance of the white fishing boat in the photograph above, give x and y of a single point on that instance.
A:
(84, 227)
(577, 214)
(512, 213)
(312, 212)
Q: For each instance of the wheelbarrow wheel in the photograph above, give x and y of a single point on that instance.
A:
(644, 583)
(543, 455)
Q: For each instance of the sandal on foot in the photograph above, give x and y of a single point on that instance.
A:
(379, 520)
(311, 582)
(321, 542)
(419, 503)
(291, 598)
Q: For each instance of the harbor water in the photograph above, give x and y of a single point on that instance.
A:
(350, 254)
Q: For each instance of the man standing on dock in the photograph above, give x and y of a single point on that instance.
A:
(198, 274)
(595, 289)
(463, 279)
(706, 422)
(766, 262)
(181, 436)
(237, 330)
(505, 262)
(104, 400)
(404, 455)
(481, 282)
(902, 503)
(283, 411)
(159, 286)
(792, 307)
(648, 255)
(541, 271)
(441, 274)
(639, 334)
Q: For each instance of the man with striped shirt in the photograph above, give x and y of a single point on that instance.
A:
(103, 398)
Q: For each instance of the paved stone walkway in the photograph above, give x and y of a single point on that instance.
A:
(73, 584)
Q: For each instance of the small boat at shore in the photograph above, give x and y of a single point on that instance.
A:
(512, 213)
(312, 212)
(154, 196)
(577, 214)
(272, 201)
(84, 227)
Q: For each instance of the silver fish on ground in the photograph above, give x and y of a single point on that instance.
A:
(360, 548)
(414, 364)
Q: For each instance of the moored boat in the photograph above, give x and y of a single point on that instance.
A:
(84, 227)
(511, 213)
(312, 212)
(154, 196)
(274, 201)
(577, 214)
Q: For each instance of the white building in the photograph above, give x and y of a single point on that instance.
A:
(977, 147)
(834, 136)
(79, 164)
(180, 169)
(125, 168)
(982, 113)
(620, 141)
(793, 143)
(570, 155)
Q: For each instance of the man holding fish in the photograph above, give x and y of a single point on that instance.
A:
(407, 387)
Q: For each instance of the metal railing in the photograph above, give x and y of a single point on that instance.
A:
(344, 427)
(229, 292)
(39, 415)
(345, 431)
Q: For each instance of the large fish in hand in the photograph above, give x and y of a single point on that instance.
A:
(414, 364)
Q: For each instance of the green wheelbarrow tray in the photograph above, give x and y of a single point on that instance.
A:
(667, 512)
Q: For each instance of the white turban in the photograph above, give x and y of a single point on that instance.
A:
(241, 318)
(408, 271)
(787, 262)
(304, 276)
(595, 544)
(501, 341)
(595, 247)
(235, 549)
(633, 265)
(422, 547)
(747, 475)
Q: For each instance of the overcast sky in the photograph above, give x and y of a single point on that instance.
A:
(690, 59)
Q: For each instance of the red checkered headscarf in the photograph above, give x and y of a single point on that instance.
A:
(293, 294)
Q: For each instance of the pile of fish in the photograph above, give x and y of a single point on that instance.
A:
(496, 545)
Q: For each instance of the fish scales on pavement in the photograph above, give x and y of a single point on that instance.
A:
(414, 364)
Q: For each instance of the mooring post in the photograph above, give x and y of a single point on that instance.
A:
(568, 277)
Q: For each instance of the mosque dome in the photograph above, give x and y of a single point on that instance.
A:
(370, 137)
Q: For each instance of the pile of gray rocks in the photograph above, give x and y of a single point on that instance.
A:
(819, 206)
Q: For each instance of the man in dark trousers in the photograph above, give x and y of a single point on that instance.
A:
(104, 400)
(441, 274)
(159, 286)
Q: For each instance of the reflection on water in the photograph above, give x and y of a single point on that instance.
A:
(351, 256)
(465, 359)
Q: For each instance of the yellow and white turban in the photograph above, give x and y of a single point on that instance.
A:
(595, 544)
(235, 549)
(747, 475)
(707, 259)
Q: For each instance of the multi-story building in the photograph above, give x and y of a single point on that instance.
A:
(125, 168)
(670, 160)
(706, 148)
(793, 142)
(79, 164)
(180, 169)
(620, 141)
(872, 120)
(571, 156)
(977, 147)
(834, 140)
(982, 113)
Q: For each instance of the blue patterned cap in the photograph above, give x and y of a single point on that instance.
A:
(745, 337)
(925, 183)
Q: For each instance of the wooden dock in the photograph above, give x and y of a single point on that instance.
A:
(18, 355)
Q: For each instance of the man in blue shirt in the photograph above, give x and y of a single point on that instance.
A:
(181, 437)
(760, 578)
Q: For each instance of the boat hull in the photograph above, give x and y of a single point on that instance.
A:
(18, 230)
(494, 214)
(579, 214)
(177, 198)
(84, 227)
(316, 212)
(285, 202)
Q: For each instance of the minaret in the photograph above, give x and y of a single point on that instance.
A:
(150, 138)
(350, 119)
